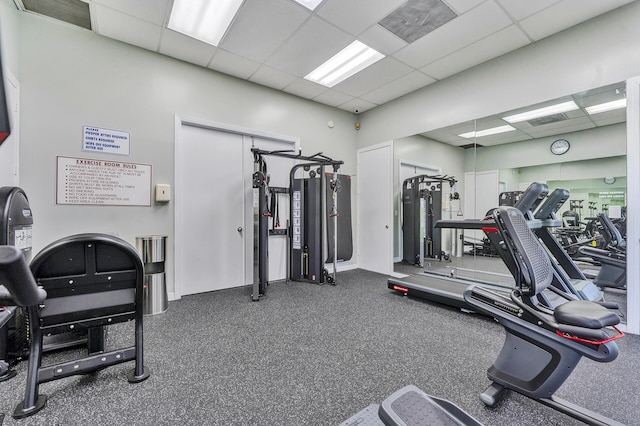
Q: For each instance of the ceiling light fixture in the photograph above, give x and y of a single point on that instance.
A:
(607, 106)
(309, 4)
(349, 61)
(542, 112)
(487, 132)
(204, 20)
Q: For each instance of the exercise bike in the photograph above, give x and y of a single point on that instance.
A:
(542, 344)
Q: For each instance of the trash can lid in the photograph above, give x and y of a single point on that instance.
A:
(151, 237)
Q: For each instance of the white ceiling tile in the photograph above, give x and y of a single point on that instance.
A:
(355, 16)
(461, 6)
(359, 105)
(382, 40)
(504, 138)
(270, 77)
(233, 64)
(476, 24)
(500, 43)
(188, 49)
(261, 26)
(565, 14)
(611, 117)
(294, 40)
(520, 9)
(332, 97)
(309, 47)
(153, 11)
(374, 76)
(126, 28)
(305, 88)
(401, 86)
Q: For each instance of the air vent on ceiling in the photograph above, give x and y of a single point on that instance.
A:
(471, 145)
(554, 118)
(75, 12)
(417, 18)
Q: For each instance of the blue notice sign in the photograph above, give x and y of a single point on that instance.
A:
(107, 141)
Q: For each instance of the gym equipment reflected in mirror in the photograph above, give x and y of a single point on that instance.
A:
(576, 142)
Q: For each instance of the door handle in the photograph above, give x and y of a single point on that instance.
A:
(239, 228)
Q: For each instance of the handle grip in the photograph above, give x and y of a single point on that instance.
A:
(17, 279)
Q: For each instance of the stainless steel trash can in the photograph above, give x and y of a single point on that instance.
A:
(152, 249)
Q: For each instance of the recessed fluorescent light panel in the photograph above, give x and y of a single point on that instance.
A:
(349, 61)
(205, 20)
(542, 112)
(607, 106)
(487, 132)
(309, 4)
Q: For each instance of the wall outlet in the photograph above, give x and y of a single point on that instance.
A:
(163, 193)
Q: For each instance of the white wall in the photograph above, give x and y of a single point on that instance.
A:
(71, 77)
(593, 54)
(600, 142)
(9, 35)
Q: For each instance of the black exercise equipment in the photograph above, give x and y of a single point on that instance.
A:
(338, 193)
(509, 198)
(539, 208)
(612, 259)
(90, 281)
(410, 406)
(449, 290)
(5, 127)
(542, 345)
(16, 222)
(307, 213)
(567, 275)
(16, 225)
(307, 210)
(421, 209)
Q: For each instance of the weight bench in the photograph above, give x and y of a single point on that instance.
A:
(90, 281)
(542, 344)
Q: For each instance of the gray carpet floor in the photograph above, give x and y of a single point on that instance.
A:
(312, 355)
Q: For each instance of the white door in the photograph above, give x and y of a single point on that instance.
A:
(209, 211)
(480, 196)
(375, 208)
(481, 193)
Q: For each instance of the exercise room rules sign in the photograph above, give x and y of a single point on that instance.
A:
(84, 181)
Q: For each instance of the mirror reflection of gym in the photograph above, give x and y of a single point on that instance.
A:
(591, 165)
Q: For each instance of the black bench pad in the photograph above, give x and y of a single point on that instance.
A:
(583, 313)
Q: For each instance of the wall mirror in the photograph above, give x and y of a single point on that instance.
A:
(577, 142)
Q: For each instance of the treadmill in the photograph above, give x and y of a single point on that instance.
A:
(449, 290)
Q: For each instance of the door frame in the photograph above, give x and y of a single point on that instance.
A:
(178, 213)
(633, 201)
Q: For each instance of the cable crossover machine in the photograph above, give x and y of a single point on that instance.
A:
(421, 209)
(308, 183)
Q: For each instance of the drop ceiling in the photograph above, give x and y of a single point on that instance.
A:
(275, 43)
(568, 122)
